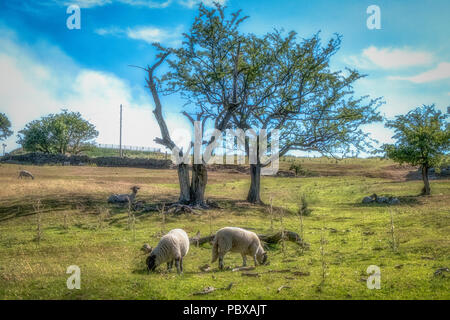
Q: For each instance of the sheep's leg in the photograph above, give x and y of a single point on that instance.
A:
(254, 259)
(177, 264)
(244, 260)
(169, 265)
(221, 261)
(181, 264)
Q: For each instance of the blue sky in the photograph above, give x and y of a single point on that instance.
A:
(44, 66)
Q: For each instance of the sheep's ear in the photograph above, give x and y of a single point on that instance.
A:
(146, 248)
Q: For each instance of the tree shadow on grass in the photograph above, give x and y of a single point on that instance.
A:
(242, 206)
(23, 207)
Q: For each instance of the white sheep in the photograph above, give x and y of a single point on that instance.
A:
(238, 240)
(124, 198)
(25, 174)
(172, 247)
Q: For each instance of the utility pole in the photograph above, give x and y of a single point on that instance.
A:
(4, 146)
(120, 146)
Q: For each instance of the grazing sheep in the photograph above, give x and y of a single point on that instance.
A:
(25, 174)
(172, 247)
(238, 240)
(124, 198)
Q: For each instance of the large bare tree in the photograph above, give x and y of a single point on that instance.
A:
(205, 71)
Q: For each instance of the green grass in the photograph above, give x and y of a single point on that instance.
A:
(99, 241)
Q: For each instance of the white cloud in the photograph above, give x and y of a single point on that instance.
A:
(390, 58)
(148, 4)
(32, 88)
(148, 34)
(441, 72)
(152, 34)
(115, 31)
(193, 3)
(137, 3)
(80, 3)
(99, 3)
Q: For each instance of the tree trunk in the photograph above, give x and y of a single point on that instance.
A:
(426, 184)
(255, 186)
(198, 184)
(183, 178)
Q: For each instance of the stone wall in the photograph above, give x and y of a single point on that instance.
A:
(37, 158)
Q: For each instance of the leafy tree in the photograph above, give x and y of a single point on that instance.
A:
(423, 138)
(312, 107)
(5, 127)
(36, 136)
(66, 132)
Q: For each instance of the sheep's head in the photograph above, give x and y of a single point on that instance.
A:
(135, 189)
(262, 257)
(151, 262)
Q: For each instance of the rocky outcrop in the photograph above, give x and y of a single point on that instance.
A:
(381, 200)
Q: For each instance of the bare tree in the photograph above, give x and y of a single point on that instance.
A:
(206, 71)
(166, 140)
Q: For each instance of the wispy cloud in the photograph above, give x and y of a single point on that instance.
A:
(98, 3)
(441, 72)
(390, 58)
(137, 3)
(148, 4)
(80, 3)
(147, 34)
(151, 34)
(208, 3)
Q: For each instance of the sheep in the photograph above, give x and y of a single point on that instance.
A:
(124, 198)
(25, 174)
(238, 240)
(172, 247)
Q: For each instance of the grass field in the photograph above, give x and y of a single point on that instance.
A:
(345, 237)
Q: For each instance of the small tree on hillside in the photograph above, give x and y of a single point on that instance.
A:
(423, 138)
(63, 133)
(5, 127)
